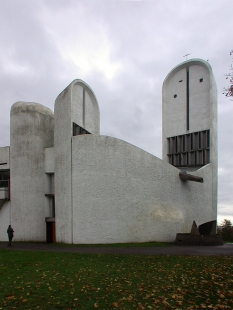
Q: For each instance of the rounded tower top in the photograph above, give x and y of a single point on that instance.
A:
(30, 107)
(187, 63)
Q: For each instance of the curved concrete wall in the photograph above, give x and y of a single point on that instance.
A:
(124, 194)
(31, 132)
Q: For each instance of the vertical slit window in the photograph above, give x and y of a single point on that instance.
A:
(187, 99)
(203, 139)
(184, 144)
(188, 140)
(200, 138)
(179, 155)
(207, 156)
(196, 138)
(173, 145)
(170, 159)
(168, 146)
(184, 159)
(181, 143)
(208, 139)
(193, 158)
(200, 158)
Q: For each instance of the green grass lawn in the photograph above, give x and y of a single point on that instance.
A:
(42, 280)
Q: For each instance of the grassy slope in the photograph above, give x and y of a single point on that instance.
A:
(39, 280)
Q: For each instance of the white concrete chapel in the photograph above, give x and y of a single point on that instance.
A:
(62, 181)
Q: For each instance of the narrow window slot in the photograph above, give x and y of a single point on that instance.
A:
(187, 98)
(168, 146)
(208, 138)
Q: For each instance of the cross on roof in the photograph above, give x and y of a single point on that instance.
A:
(186, 56)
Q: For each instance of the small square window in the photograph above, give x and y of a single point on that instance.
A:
(201, 80)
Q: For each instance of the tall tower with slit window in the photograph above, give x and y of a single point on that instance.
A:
(190, 116)
(190, 119)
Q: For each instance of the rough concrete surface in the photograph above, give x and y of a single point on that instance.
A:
(107, 190)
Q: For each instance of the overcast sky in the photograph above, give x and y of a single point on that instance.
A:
(123, 50)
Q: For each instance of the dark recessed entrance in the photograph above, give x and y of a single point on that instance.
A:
(50, 230)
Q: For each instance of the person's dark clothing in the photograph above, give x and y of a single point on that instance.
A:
(10, 233)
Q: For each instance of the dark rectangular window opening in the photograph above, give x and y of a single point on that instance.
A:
(5, 182)
(4, 178)
(201, 80)
(179, 144)
(191, 149)
(188, 140)
(78, 130)
(208, 139)
(196, 141)
(192, 142)
(53, 206)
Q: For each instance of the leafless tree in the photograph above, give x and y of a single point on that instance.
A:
(226, 230)
(228, 91)
(226, 223)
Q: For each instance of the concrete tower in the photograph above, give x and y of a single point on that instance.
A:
(31, 132)
(190, 120)
(76, 113)
(190, 115)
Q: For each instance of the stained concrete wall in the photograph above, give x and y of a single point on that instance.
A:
(124, 194)
(76, 104)
(49, 160)
(31, 131)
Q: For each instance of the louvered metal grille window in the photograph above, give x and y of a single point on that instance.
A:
(192, 149)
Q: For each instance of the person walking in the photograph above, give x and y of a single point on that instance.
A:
(10, 233)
